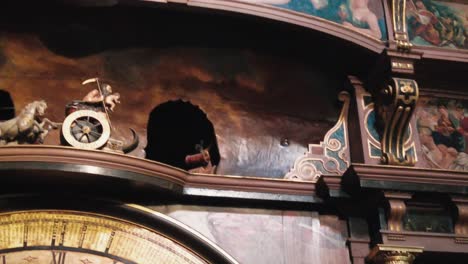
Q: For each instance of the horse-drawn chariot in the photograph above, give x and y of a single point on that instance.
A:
(87, 124)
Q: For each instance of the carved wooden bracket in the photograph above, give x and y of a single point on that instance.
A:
(397, 210)
(395, 106)
(330, 156)
(392, 254)
(461, 224)
(399, 25)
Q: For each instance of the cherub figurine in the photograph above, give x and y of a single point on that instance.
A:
(110, 99)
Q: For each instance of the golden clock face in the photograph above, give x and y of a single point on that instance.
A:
(60, 237)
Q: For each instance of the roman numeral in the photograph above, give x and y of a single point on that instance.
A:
(58, 257)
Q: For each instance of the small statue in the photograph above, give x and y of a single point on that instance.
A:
(87, 124)
(110, 99)
(25, 128)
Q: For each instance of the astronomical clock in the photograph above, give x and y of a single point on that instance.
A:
(234, 131)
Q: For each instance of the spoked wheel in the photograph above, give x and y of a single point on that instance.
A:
(86, 129)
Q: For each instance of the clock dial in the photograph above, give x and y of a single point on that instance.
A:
(61, 237)
(54, 257)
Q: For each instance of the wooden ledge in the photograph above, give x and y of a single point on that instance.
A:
(439, 242)
(60, 163)
(405, 179)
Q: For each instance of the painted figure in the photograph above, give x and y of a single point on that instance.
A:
(424, 23)
(443, 133)
(360, 18)
(354, 14)
(436, 23)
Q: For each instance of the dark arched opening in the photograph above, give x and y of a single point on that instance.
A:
(176, 129)
(7, 108)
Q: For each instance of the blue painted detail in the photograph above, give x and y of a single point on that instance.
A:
(375, 152)
(371, 126)
(411, 152)
(339, 135)
(338, 11)
(319, 166)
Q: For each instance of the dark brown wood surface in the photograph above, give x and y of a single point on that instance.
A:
(254, 100)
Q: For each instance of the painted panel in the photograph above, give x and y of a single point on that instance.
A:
(443, 133)
(260, 236)
(364, 16)
(438, 23)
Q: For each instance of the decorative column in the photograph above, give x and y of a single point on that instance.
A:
(461, 222)
(396, 92)
(399, 25)
(397, 209)
(393, 254)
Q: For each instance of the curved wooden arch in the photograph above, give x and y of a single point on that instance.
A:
(288, 16)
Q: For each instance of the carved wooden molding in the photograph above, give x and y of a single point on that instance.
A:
(441, 242)
(395, 107)
(53, 161)
(393, 254)
(292, 17)
(331, 156)
(397, 209)
(461, 224)
(406, 178)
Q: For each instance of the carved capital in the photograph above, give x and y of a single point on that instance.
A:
(390, 254)
(461, 223)
(397, 209)
(395, 108)
(399, 26)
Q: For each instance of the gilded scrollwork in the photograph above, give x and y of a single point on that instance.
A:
(395, 108)
(331, 156)
(390, 254)
(366, 106)
(399, 25)
(395, 257)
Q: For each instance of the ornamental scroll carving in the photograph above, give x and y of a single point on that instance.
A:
(331, 156)
(396, 105)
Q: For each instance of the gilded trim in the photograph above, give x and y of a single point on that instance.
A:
(334, 157)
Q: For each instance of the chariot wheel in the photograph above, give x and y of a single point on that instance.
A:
(86, 129)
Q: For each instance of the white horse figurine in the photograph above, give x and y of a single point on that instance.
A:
(25, 128)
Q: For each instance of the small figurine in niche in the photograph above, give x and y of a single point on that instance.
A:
(25, 128)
